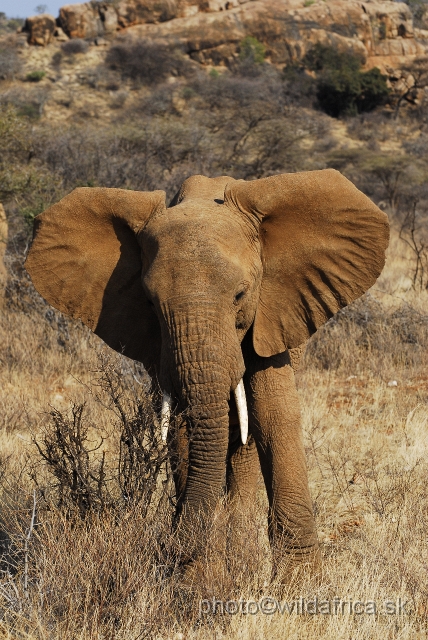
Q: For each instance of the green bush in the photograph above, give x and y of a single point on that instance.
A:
(252, 50)
(322, 57)
(250, 62)
(35, 76)
(374, 90)
(341, 87)
(30, 211)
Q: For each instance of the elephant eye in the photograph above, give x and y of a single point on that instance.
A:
(239, 296)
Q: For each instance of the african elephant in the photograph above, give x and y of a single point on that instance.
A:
(217, 294)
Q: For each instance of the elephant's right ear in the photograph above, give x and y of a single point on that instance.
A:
(85, 260)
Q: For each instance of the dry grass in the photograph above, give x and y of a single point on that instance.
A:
(111, 572)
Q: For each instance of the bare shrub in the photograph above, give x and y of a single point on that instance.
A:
(66, 450)
(227, 91)
(118, 99)
(149, 63)
(83, 478)
(57, 59)
(15, 143)
(265, 133)
(24, 184)
(76, 45)
(10, 25)
(300, 87)
(10, 63)
(367, 332)
(370, 126)
(417, 147)
(416, 73)
(142, 453)
(130, 156)
(384, 176)
(99, 77)
(413, 233)
(160, 102)
(28, 103)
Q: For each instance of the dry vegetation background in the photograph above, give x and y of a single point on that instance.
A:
(86, 499)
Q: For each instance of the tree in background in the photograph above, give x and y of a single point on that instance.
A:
(417, 79)
(341, 87)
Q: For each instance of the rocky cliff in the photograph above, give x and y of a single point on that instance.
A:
(210, 31)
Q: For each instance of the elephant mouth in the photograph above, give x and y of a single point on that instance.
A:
(241, 405)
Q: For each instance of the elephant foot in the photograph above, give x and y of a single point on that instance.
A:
(207, 578)
(201, 550)
(191, 575)
(293, 569)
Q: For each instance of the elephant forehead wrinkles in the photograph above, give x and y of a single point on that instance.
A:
(172, 277)
(199, 221)
(199, 233)
(197, 259)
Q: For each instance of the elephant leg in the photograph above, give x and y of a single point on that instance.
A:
(276, 425)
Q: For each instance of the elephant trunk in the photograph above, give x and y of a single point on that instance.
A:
(201, 364)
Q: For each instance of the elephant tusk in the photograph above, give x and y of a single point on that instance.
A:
(241, 404)
(165, 415)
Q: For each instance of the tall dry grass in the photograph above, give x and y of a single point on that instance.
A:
(109, 568)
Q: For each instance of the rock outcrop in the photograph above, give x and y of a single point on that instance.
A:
(80, 21)
(381, 32)
(40, 28)
(210, 30)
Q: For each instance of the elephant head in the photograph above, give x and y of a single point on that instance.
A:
(179, 288)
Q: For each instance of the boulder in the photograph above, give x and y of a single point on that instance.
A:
(40, 29)
(109, 18)
(131, 12)
(60, 36)
(81, 20)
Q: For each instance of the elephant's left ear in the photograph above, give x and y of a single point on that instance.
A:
(323, 245)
